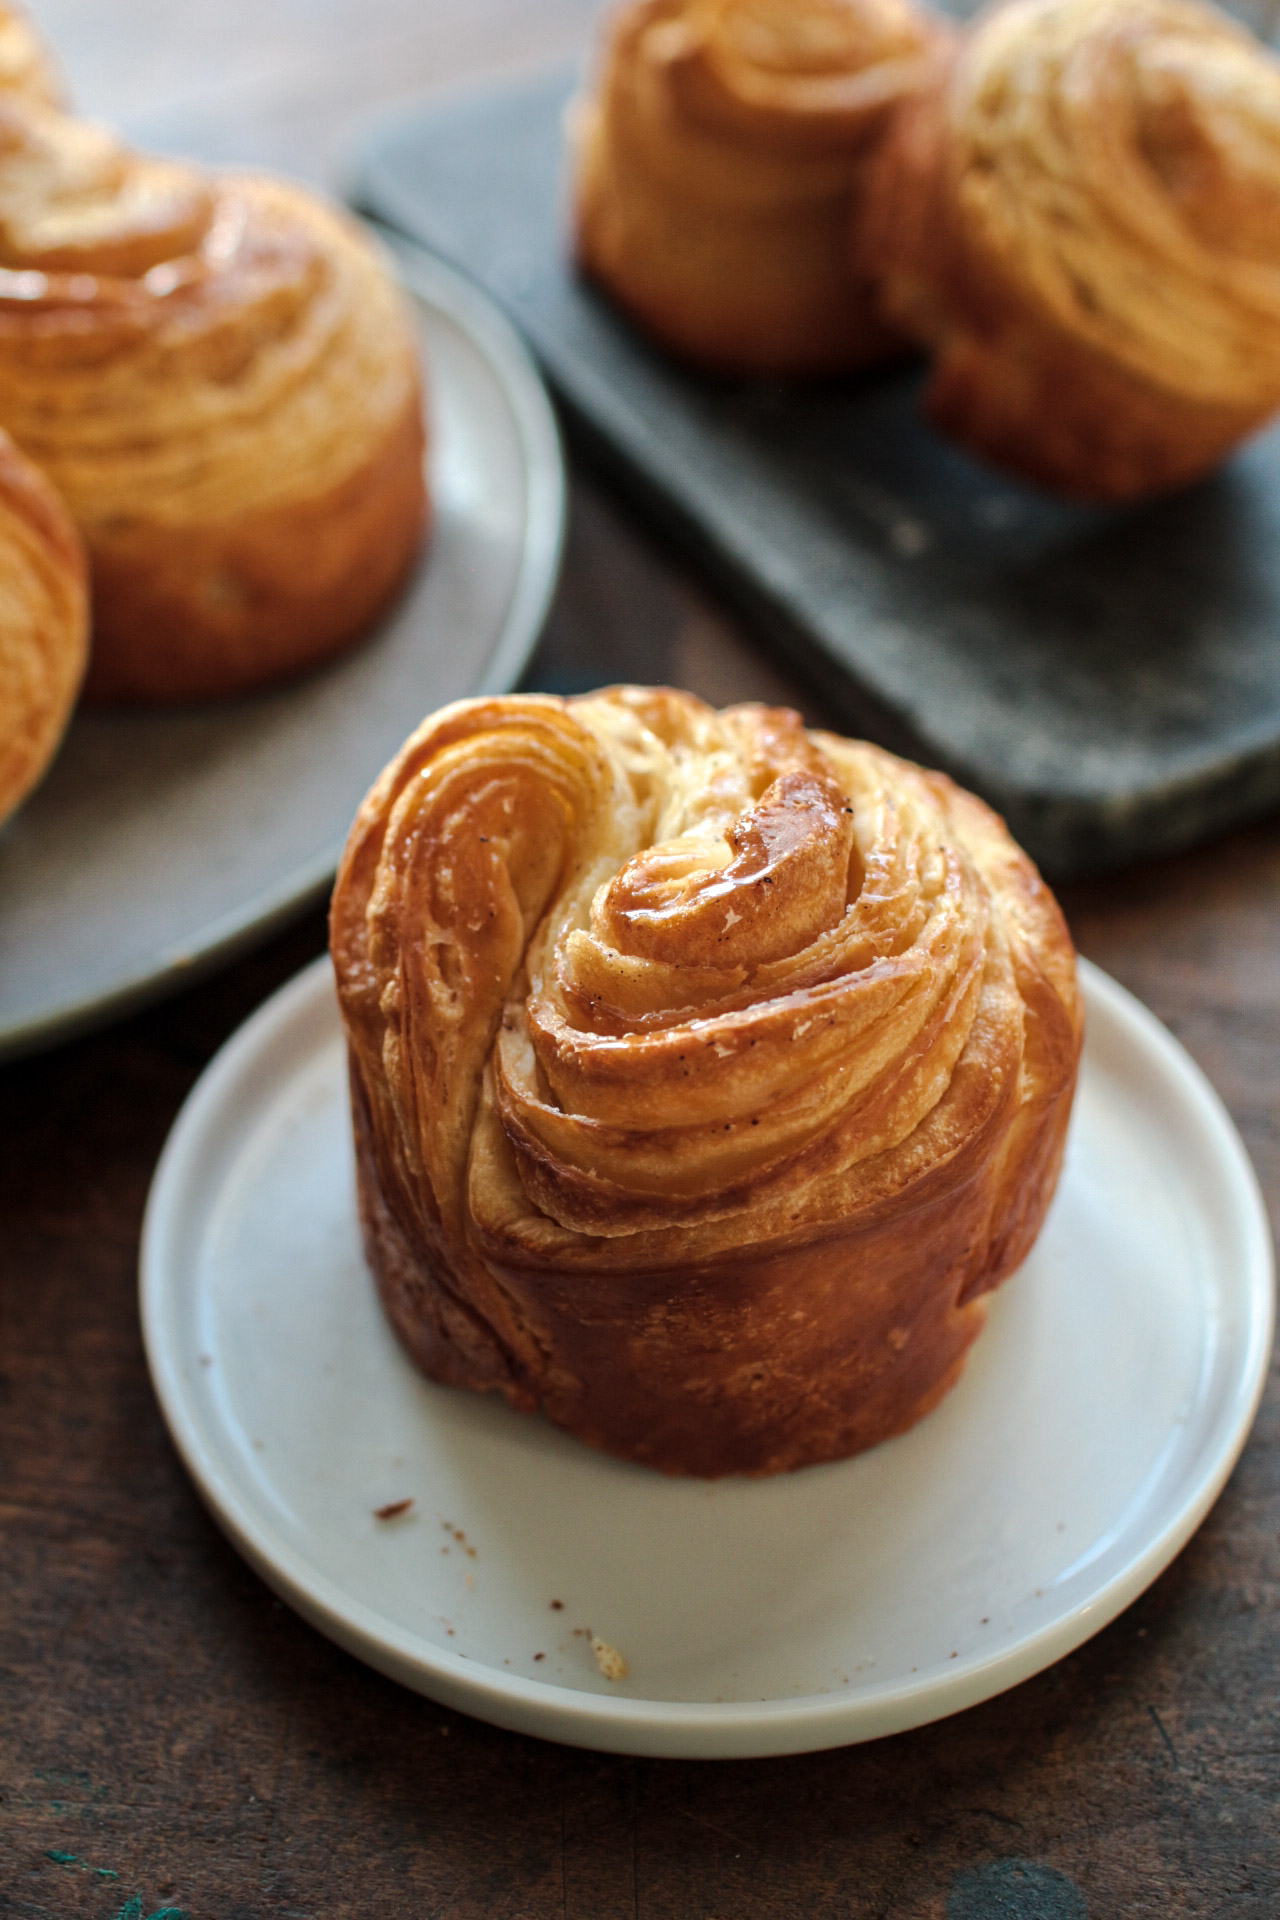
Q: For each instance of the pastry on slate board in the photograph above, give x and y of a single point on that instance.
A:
(717, 165)
(44, 623)
(219, 375)
(1080, 217)
(707, 1073)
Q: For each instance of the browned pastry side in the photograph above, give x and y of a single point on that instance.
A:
(717, 166)
(707, 1073)
(44, 624)
(219, 375)
(1081, 217)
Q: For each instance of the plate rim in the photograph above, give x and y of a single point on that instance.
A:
(657, 1728)
(179, 965)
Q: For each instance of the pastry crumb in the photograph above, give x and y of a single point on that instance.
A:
(393, 1509)
(611, 1663)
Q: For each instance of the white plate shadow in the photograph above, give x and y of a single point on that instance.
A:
(1095, 1424)
(162, 841)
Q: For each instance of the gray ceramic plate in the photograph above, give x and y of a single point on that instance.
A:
(160, 842)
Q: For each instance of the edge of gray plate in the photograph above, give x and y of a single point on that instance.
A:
(265, 913)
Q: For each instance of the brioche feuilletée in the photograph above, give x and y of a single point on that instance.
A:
(718, 161)
(707, 1072)
(219, 375)
(1079, 216)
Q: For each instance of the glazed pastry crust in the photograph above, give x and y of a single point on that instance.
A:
(44, 624)
(717, 166)
(1079, 216)
(219, 376)
(706, 1073)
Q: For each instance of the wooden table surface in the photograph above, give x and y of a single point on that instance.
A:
(173, 1740)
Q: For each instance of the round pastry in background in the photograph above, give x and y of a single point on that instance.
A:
(707, 1072)
(718, 165)
(1081, 217)
(44, 623)
(26, 65)
(220, 376)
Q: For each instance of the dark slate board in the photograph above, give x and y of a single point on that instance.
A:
(1110, 679)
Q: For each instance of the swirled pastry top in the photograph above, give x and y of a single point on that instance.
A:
(1117, 163)
(768, 96)
(180, 348)
(25, 66)
(642, 982)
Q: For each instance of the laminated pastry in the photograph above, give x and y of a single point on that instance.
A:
(718, 165)
(219, 376)
(26, 67)
(707, 1073)
(44, 623)
(1081, 217)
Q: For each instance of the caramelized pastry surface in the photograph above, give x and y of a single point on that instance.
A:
(706, 1072)
(718, 164)
(218, 375)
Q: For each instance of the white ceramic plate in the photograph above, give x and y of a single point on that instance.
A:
(1098, 1418)
(161, 841)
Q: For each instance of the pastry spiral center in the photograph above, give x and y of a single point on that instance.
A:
(814, 76)
(775, 880)
(822, 37)
(73, 200)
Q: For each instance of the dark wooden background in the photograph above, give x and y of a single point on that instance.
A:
(172, 1740)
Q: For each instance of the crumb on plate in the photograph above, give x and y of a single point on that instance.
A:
(610, 1662)
(393, 1509)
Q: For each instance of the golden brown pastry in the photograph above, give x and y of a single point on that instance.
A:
(1082, 218)
(26, 66)
(44, 623)
(718, 166)
(706, 1072)
(219, 376)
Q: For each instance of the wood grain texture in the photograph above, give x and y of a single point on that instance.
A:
(163, 1718)
(172, 1738)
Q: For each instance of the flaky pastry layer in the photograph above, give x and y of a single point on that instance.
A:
(1081, 216)
(718, 162)
(706, 1072)
(44, 623)
(218, 374)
